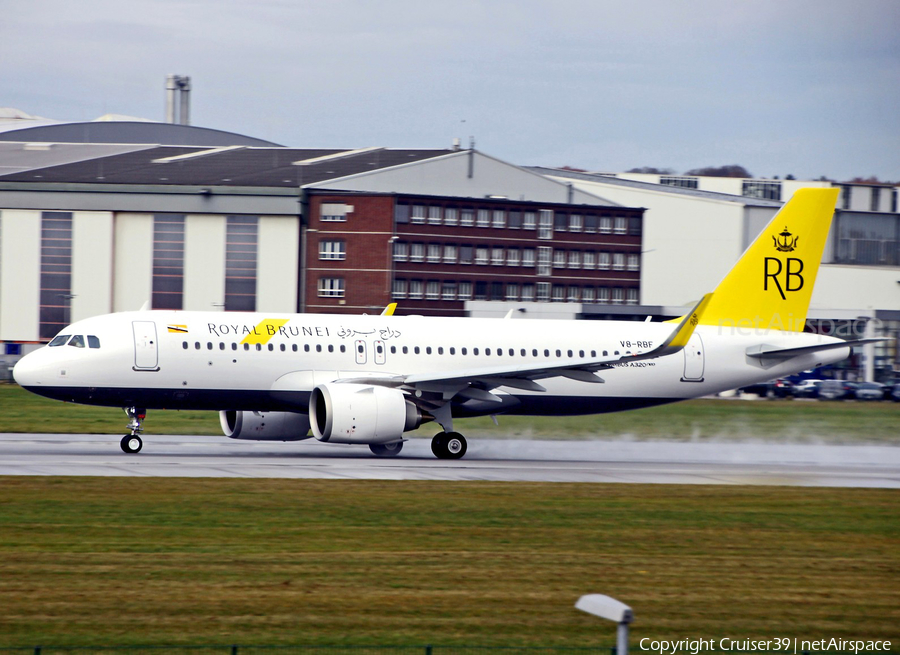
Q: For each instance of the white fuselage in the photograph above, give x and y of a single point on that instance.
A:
(258, 362)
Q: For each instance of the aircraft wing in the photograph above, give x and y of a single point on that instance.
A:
(477, 382)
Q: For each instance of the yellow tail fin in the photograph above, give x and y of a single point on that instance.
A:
(770, 286)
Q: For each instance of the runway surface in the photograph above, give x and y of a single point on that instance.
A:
(487, 459)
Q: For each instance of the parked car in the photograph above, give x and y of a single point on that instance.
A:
(895, 392)
(781, 388)
(806, 389)
(835, 390)
(870, 391)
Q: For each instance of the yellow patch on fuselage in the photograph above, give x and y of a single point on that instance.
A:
(265, 330)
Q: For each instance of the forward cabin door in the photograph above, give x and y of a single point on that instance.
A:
(694, 360)
(146, 356)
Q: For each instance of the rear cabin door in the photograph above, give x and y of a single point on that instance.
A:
(694, 360)
(146, 356)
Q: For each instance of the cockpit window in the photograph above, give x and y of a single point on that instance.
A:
(93, 342)
(59, 340)
(77, 341)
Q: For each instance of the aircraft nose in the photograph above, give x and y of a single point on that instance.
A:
(26, 372)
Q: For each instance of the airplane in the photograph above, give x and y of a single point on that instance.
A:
(369, 379)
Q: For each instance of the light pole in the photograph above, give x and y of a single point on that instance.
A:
(609, 608)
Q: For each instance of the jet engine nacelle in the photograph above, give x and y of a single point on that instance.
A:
(360, 413)
(265, 426)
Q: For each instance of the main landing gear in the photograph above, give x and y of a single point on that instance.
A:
(132, 443)
(448, 445)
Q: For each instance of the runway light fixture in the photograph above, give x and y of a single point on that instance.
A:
(611, 609)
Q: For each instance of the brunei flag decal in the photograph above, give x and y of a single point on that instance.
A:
(182, 329)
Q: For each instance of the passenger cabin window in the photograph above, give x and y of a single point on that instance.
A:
(59, 340)
(77, 341)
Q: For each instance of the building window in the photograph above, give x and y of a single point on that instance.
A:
(512, 257)
(465, 254)
(434, 215)
(401, 251)
(590, 260)
(545, 255)
(559, 259)
(333, 250)
(528, 257)
(499, 220)
(515, 220)
(484, 218)
(683, 182)
(449, 254)
(434, 253)
(399, 289)
(331, 287)
(401, 213)
(590, 223)
(417, 252)
(618, 261)
(543, 291)
(545, 227)
(764, 190)
(603, 295)
(574, 259)
(618, 295)
(588, 294)
(527, 293)
(845, 196)
(573, 295)
(512, 292)
(560, 221)
(416, 289)
(603, 260)
(559, 292)
(875, 199)
(634, 262)
(448, 290)
(433, 290)
(868, 239)
(621, 225)
(56, 272)
(497, 256)
(634, 226)
(575, 223)
(333, 212)
(418, 214)
(468, 218)
(241, 234)
(530, 222)
(168, 261)
(605, 225)
(481, 256)
(632, 297)
(465, 290)
(451, 216)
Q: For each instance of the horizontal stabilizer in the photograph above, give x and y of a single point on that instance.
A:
(787, 353)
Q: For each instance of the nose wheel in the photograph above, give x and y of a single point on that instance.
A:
(132, 443)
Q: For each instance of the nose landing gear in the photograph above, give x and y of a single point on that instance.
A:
(132, 443)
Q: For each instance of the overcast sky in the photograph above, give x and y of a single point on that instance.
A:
(805, 87)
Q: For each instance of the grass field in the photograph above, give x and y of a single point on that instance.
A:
(187, 561)
(795, 421)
